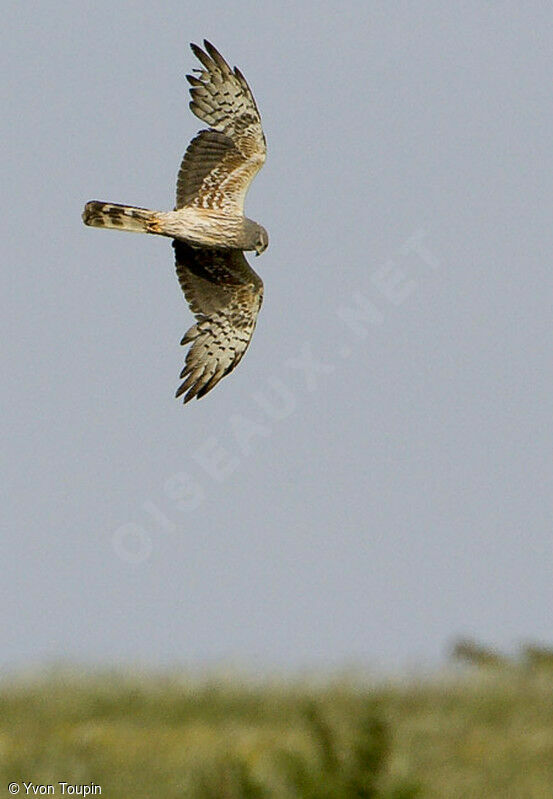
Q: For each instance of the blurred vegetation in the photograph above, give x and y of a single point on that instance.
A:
(483, 730)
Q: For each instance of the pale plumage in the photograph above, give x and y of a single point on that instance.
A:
(208, 225)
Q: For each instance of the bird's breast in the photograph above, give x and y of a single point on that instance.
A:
(204, 227)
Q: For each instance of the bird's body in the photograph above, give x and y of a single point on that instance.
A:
(200, 227)
(208, 225)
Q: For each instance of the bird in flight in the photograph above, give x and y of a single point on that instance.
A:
(209, 230)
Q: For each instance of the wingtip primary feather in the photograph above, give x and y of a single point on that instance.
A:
(193, 80)
(185, 388)
(203, 57)
(180, 392)
(217, 57)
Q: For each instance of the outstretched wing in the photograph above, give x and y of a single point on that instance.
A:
(220, 163)
(225, 294)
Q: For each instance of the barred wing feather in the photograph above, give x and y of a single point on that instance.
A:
(225, 294)
(220, 163)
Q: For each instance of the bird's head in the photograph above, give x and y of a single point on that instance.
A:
(261, 241)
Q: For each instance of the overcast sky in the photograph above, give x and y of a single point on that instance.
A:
(375, 478)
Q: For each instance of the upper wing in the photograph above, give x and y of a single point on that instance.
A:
(220, 163)
(225, 294)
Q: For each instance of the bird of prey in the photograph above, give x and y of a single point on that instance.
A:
(209, 230)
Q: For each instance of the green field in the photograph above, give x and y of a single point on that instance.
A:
(479, 732)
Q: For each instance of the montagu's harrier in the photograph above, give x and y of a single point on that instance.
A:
(208, 226)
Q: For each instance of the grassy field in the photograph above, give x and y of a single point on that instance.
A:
(485, 732)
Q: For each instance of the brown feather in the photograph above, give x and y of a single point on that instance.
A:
(214, 174)
(225, 294)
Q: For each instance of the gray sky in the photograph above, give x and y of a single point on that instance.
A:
(375, 477)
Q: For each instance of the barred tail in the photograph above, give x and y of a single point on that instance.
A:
(120, 217)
